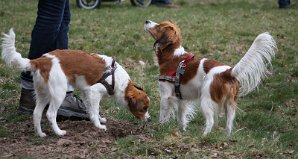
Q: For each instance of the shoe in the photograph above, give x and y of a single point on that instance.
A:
(165, 5)
(72, 107)
(27, 101)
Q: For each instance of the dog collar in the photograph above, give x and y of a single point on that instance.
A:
(174, 75)
(110, 70)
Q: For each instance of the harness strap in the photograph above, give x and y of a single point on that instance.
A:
(174, 75)
(110, 70)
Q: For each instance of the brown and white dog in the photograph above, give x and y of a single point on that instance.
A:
(55, 70)
(215, 84)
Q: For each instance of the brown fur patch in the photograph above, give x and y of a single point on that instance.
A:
(209, 64)
(138, 101)
(76, 62)
(43, 64)
(224, 87)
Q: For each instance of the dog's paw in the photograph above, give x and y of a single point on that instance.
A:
(103, 127)
(42, 134)
(61, 132)
(103, 120)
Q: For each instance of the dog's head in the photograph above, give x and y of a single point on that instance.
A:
(138, 101)
(166, 34)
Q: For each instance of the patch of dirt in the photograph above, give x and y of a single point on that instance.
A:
(82, 140)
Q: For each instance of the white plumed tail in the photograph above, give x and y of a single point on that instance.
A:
(10, 55)
(250, 70)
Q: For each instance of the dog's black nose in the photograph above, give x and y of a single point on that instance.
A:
(147, 21)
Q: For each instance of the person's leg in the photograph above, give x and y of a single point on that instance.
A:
(72, 105)
(50, 32)
(284, 3)
(46, 29)
(62, 37)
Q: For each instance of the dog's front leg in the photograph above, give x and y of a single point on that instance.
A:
(181, 115)
(166, 110)
(92, 100)
(166, 101)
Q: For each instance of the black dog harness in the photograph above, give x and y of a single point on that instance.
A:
(174, 75)
(110, 70)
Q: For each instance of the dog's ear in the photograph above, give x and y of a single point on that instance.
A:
(132, 100)
(164, 41)
(139, 88)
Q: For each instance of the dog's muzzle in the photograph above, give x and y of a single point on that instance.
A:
(147, 117)
(149, 24)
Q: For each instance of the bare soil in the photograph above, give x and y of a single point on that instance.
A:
(82, 140)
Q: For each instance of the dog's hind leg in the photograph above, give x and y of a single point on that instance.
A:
(57, 89)
(55, 103)
(230, 111)
(208, 110)
(42, 100)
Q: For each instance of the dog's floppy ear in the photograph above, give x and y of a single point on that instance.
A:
(132, 100)
(139, 88)
(164, 41)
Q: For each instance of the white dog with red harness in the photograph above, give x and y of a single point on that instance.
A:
(185, 78)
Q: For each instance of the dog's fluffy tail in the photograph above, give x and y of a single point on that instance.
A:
(253, 66)
(10, 55)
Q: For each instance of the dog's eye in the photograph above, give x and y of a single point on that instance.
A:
(144, 109)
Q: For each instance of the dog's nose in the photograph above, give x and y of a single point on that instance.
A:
(148, 119)
(147, 21)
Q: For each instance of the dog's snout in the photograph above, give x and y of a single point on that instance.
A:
(147, 22)
(148, 119)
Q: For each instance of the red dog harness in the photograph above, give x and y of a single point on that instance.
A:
(174, 75)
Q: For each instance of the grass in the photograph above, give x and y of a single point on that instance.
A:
(265, 127)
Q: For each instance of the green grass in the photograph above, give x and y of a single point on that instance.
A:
(266, 126)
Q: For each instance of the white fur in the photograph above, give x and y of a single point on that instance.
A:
(179, 51)
(253, 66)
(149, 25)
(9, 53)
(54, 90)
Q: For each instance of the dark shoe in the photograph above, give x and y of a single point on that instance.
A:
(27, 101)
(71, 108)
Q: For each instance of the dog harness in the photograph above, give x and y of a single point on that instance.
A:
(174, 75)
(110, 70)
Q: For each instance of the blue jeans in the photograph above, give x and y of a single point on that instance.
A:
(50, 31)
(161, 2)
(284, 3)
